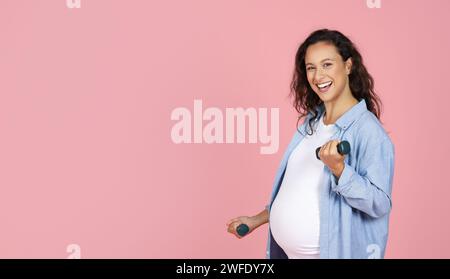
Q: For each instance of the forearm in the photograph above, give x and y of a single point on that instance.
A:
(261, 218)
(371, 196)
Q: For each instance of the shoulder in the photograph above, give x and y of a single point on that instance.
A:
(369, 131)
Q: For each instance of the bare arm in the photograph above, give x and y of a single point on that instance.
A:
(261, 218)
(252, 222)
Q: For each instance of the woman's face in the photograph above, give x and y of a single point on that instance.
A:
(326, 71)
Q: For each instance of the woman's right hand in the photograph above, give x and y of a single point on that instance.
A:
(235, 222)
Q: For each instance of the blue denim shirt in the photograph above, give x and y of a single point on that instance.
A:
(354, 210)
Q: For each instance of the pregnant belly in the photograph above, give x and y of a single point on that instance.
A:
(295, 222)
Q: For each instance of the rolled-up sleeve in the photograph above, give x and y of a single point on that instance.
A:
(369, 190)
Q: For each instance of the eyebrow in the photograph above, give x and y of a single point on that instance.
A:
(320, 61)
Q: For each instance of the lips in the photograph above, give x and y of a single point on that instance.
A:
(324, 86)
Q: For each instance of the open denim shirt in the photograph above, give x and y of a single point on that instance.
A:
(354, 211)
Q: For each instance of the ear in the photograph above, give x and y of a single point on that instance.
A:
(348, 65)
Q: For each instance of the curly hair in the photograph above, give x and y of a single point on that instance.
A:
(361, 82)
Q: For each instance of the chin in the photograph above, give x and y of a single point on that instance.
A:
(329, 96)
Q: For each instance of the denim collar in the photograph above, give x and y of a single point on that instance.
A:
(343, 122)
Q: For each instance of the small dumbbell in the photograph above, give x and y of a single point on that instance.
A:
(242, 229)
(343, 148)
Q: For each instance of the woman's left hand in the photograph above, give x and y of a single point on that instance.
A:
(329, 155)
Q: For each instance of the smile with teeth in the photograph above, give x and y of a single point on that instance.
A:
(323, 87)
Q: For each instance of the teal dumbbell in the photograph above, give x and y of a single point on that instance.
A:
(242, 229)
(343, 148)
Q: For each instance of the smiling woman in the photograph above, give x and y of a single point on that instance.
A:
(338, 206)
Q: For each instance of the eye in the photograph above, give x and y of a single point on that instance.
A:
(309, 68)
(327, 65)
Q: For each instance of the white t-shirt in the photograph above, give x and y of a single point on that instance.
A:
(294, 216)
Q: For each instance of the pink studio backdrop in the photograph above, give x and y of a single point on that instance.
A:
(86, 96)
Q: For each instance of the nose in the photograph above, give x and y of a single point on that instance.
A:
(319, 74)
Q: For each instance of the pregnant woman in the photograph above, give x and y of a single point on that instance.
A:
(330, 205)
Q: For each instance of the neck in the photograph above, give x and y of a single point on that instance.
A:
(336, 108)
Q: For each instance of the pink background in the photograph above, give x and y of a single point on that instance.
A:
(86, 94)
